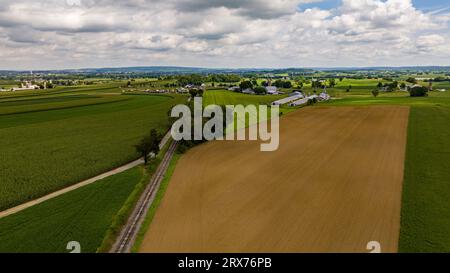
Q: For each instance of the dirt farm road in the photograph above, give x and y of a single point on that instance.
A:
(86, 182)
(334, 185)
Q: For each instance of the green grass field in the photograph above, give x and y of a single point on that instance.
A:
(50, 143)
(44, 103)
(426, 190)
(52, 139)
(224, 97)
(83, 215)
(61, 90)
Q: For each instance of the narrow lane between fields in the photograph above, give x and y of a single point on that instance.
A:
(86, 182)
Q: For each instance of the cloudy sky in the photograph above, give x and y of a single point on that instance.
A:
(49, 34)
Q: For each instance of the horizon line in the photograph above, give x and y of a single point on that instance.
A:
(224, 68)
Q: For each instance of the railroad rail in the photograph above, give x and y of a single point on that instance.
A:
(129, 232)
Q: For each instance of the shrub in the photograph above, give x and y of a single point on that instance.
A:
(375, 92)
(260, 90)
(245, 85)
(418, 91)
(411, 80)
(311, 101)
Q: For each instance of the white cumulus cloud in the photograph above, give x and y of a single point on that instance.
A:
(216, 33)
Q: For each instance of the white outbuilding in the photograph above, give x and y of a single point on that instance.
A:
(288, 99)
(234, 89)
(324, 96)
(271, 90)
(299, 102)
(248, 91)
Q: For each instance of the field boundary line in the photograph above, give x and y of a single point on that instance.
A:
(78, 185)
(71, 188)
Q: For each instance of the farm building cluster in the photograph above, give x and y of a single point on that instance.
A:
(298, 98)
(180, 90)
(270, 90)
(28, 85)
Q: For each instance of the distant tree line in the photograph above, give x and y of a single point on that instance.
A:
(441, 79)
(197, 79)
(282, 84)
(194, 79)
(389, 87)
(184, 145)
(228, 78)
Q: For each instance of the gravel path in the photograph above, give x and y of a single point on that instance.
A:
(80, 184)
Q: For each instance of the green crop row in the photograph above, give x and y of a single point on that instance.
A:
(48, 150)
(82, 215)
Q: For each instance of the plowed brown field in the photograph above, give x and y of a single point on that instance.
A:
(334, 185)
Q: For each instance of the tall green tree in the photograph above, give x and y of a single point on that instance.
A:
(260, 90)
(411, 80)
(245, 85)
(332, 83)
(418, 91)
(149, 144)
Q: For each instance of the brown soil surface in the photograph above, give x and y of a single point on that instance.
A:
(333, 185)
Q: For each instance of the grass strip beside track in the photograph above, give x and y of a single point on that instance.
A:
(153, 208)
(82, 215)
(122, 216)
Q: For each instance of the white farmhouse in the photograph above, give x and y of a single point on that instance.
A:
(324, 96)
(234, 89)
(182, 90)
(249, 91)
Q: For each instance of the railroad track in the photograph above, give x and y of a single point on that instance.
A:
(129, 232)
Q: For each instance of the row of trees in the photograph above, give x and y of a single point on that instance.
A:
(194, 92)
(183, 144)
(148, 146)
(441, 79)
(389, 86)
(316, 84)
(228, 78)
(253, 83)
(197, 79)
(416, 91)
(299, 82)
(282, 84)
(194, 79)
(392, 86)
